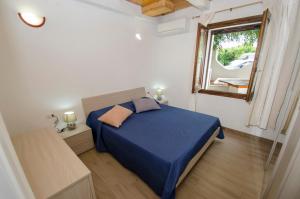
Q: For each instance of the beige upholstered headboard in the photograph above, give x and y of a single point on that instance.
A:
(97, 102)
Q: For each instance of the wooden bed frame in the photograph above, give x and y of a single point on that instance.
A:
(97, 102)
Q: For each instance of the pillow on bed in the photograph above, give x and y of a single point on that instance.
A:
(115, 116)
(145, 104)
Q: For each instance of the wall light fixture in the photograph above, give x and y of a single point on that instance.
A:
(32, 20)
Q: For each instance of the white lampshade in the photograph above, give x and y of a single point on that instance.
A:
(159, 92)
(70, 117)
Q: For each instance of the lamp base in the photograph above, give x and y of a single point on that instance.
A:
(158, 97)
(71, 126)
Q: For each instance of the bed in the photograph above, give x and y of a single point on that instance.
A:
(160, 146)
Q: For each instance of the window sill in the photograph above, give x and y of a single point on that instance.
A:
(224, 94)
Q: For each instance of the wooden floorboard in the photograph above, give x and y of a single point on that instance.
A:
(230, 168)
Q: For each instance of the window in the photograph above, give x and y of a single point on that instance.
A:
(226, 56)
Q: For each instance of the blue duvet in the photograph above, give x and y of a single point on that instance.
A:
(156, 145)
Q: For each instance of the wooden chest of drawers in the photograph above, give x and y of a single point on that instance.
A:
(52, 169)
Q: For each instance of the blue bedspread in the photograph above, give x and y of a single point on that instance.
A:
(156, 145)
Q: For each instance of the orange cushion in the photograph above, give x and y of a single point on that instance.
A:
(115, 116)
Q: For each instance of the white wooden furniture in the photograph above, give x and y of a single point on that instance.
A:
(13, 182)
(102, 101)
(80, 139)
(97, 102)
(52, 169)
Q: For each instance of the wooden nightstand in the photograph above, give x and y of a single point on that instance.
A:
(80, 139)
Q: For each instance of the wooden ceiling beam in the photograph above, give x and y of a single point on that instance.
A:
(142, 2)
(181, 4)
(157, 7)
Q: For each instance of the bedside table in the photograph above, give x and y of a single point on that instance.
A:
(80, 139)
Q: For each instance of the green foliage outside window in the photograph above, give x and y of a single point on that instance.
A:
(227, 55)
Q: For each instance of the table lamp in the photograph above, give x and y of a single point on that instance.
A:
(70, 119)
(159, 94)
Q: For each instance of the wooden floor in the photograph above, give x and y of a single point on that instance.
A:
(230, 168)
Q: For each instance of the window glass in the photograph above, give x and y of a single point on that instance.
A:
(231, 60)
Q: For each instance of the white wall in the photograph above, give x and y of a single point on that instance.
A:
(83, 50)
(172, 67)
